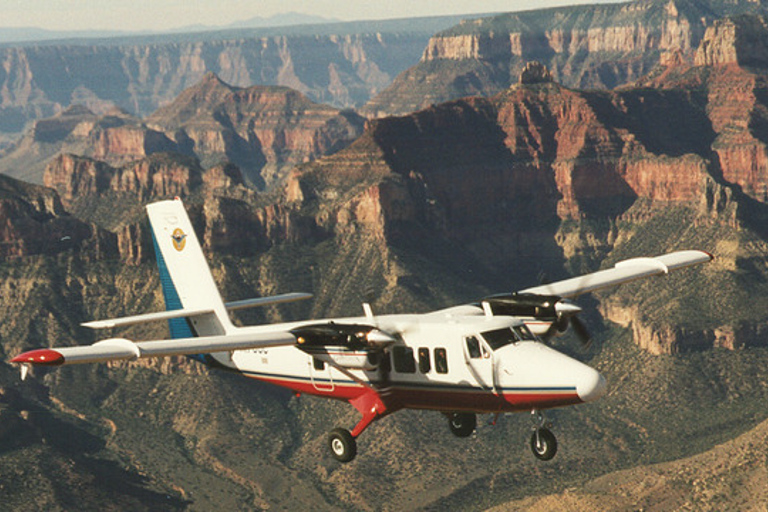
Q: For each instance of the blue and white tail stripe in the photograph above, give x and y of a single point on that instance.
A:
(186, 278)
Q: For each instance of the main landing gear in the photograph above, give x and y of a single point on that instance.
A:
(341, 441)
(543, 441)
(343, 446)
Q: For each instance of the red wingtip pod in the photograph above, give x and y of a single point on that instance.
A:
(43, 356)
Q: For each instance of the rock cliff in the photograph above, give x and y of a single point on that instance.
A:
(583, 46)
(264, 130)
(115, 138)
(33, 222)
(344, 69)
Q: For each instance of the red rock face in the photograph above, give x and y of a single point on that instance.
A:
(33, 221)
(82, 179)
(543, 152)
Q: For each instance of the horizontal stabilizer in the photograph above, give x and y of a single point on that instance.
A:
(144, 318)
(121, 349)
(188, 313)
(267, 301)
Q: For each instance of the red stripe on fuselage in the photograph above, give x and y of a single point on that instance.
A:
(443, 398)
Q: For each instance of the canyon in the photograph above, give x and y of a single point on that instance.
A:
(413, 212)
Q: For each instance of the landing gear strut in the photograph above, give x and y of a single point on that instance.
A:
(341, 441)
(543, 441)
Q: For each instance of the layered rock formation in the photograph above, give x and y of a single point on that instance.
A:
(115, 138)
(584, 46)
(264, 130)
(34, 222)
(344, 68)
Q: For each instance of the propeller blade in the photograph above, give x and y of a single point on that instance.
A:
(581, 331)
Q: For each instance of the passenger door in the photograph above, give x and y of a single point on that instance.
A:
(320, 374)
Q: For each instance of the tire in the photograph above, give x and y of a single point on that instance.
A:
(342, 445)
(546, 447)
(462, 424)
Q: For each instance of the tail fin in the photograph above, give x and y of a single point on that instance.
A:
(184, 273)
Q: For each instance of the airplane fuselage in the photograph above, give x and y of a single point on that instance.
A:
(447, 361)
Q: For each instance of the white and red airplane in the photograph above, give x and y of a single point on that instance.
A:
(464, 360)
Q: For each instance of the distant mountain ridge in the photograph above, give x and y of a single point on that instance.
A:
(264, 130)
(342, 64)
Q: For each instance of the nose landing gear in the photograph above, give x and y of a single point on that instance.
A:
(462, 424)
(543, 441)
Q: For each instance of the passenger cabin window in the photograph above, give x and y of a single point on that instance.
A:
(499, 338)
(424, 363)
(403, 358)
(441, 360)
(473, 347)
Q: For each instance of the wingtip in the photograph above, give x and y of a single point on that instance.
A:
(43, 356)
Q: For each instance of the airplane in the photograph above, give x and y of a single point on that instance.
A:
(488, 357)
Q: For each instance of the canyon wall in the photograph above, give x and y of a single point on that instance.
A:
(599, 46)
(345, 70)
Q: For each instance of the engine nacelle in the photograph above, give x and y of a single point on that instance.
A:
(350, 359)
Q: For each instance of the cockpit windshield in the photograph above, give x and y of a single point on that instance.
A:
(523, 333)
(499, 338)
(503, 337)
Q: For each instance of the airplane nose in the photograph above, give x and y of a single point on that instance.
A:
(591, 387)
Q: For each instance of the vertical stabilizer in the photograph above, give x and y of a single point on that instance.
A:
(184, 272)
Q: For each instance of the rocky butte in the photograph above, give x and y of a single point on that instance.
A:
(264, 130)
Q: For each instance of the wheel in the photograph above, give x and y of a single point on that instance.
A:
(462, 423)
(343, 446)
(543, 444)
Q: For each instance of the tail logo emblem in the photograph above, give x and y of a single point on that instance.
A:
(179, 239)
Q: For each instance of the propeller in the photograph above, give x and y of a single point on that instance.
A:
(561, 312)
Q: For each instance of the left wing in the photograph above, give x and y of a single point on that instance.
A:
(116, 349)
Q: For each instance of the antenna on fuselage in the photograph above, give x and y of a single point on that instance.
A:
(369, 313)
(370, 295)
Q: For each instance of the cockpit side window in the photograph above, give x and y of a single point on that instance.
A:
(473, 347)
(499, 338)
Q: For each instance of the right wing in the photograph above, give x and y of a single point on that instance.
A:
(624, 272)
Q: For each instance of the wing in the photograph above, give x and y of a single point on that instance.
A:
(116, 349)
(624, 272)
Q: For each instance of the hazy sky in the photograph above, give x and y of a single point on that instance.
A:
(167, 14)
